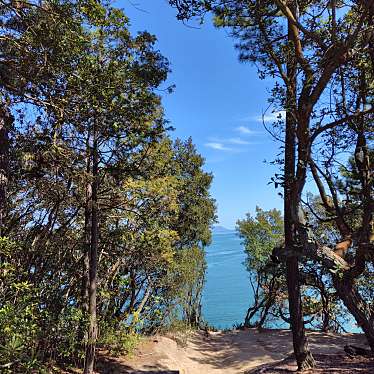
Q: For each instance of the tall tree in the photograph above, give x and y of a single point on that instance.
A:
(264, 232)
(292, 205)
(104, 215)
(322, 36)
(6, 121)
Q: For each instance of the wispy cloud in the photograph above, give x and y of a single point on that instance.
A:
(268, 116)
(218, 146)
(245, 130)
(238, 141)
(272, 117)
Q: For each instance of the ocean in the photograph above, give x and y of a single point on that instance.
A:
(227, 293)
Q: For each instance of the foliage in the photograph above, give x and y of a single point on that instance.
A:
(18, 315)
(117, 340)
(322, 308)
(261, 234)
(90, 168)
(319, 56)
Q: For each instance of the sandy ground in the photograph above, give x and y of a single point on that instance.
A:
(230, 352)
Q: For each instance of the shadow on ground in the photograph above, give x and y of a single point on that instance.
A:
(111, 365)
(235, 350)
(325, 364)
(230, 350)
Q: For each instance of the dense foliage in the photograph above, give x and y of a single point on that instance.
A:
(319, 54)
(103, 217)
(263, 238)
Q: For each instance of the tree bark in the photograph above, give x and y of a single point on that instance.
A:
(92, 329)
(6, 121)
(361, 312)
(85, 285)
(87, 228)
(303, 356)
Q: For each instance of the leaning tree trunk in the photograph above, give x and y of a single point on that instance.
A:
(303, 356)
(6, 121)
(92, 292)
(345, 285)
(361, 312)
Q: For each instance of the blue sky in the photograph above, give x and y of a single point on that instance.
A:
(219, 103)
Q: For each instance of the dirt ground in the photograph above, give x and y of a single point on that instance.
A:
(234, 352)
(326, 364)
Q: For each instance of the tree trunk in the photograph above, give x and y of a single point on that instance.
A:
(87, 228)
(6, 121)
(325, 314)
(87, 248)
(300, 344)
(82, 333)
(303, 356)
(351, 298)
(345, 285)
(92, 330)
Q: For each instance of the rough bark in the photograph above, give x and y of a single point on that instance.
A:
(300, 344)
(344, 279)
(85, 286)
(87, 231)
(361, 312)
(87, 245)
(303, 356)
(92, 329)
(6, 121)
(327, 256)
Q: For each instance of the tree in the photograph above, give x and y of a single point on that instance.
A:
(118, 112)
(29, 66)
(104, 216)
(261, 234)
(352, 218)
(320, 37)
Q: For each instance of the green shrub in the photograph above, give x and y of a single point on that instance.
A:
(118, 340)
(65, 335)
(18, 340)
(18, 316)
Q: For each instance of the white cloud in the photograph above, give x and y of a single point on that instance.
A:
(272, 117)
(245, 130)
(217, 146)
(238, 141)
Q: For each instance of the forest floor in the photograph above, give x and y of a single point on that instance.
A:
(238, 351)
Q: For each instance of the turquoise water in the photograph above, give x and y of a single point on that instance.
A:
(227, 292)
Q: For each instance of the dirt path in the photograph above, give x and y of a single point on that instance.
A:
(221, 352)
